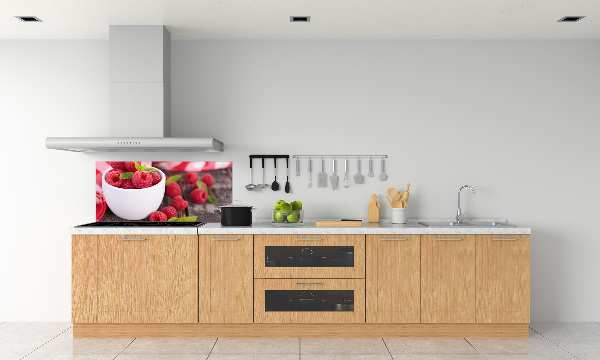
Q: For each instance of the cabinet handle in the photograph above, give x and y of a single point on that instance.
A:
(393, 239)
(309, 284)
(504, 239)
(226, 239)
(449, 239)
(133, 239)
(309, 239)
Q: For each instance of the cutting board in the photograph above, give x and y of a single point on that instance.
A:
(335, 223)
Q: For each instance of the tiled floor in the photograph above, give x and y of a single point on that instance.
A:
(547, 341)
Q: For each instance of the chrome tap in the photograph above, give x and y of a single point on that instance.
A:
(460, 216)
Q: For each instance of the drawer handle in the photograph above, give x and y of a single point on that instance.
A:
(309, 239)
(226, 239)
(504, 239)
(449, 239)
(133, 239)
(393, 239)
(309, 284)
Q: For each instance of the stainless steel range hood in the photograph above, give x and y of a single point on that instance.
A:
(140, 97)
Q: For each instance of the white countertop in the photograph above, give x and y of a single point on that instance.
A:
(266, 227)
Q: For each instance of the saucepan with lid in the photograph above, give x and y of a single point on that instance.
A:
(236, 214)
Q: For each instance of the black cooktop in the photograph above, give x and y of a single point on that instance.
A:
(143, 223)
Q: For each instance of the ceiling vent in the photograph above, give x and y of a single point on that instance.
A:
(571, 19)
(29, 18)
(299, 18)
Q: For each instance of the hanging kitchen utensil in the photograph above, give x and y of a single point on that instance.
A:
(383, 176)
(263, 185)
(309, 173)
(251, 186)
(346, 176)
(359, 178)
(334, 178)
(371, 174)
(287, 183)
(297, 167)
(275, 184)
(322, 176)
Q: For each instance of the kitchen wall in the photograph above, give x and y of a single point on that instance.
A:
(517, 120)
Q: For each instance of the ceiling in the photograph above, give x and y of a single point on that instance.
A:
(331, 19)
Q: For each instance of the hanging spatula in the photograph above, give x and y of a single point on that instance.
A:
(359, 178)
(334, 178)
(322, 177)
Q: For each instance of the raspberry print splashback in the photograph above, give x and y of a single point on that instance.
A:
(162, 190)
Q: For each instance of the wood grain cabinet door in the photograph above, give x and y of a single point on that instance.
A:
(448, 278)
(225, 278)
(393, 279)
(84, 281)
(148, 279)
(502, 278)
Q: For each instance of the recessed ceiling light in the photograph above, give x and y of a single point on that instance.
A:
(571, 19)
(29, 18)
(299, 18)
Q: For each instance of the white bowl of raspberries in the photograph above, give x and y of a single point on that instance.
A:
(133, 191)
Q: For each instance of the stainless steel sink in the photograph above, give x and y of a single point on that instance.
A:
(473, 223)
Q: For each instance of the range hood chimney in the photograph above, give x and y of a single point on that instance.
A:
(139, 98)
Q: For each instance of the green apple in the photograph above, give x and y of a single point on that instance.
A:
(296, 205)
(278, 216)
(293, 217)
(285, 207)
(278, 204)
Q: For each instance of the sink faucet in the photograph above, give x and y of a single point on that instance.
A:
(460, 216)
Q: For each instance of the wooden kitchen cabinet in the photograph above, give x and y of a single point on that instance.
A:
(225, 278)
(502, 269)
(393, 285)
(84, 280)
(448, 278)
(147, 278)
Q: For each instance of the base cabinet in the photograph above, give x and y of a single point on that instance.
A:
(502, 269)
(146, 278)
(225, 278)
(448, 279)
(378, 285)
(393, 279)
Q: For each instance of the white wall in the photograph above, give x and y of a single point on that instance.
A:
(515, 119)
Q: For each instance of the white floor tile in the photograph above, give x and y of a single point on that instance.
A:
(342, 346)
(232, 346)
(425, 346)
(200, 346)
(66, 347)
(17, 339)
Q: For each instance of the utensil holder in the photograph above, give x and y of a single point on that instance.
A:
(398, 215)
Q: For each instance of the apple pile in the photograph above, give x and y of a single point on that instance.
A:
(285, 212)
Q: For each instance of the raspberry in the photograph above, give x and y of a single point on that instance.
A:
(208, 180)
(130, 166)
(114, 178)
(128, 184)
(199, 196)
(170, 211)
(191, 178)
(173, 190)
(117, 165)
(196, 185)
(178, 203)
(155, 177)
(158, 216)
(142, 180)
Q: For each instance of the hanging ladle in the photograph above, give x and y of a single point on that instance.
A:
(251, 186)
